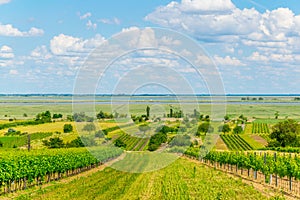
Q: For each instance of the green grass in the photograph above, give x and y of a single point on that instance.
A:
(254, 144)
(18, 141)
(261, 111)
(180, 180)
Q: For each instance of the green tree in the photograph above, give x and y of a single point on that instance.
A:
(68, 128)
(286, 133)
(100, 115)
(276, 114)
(120, 143)
(57, 116)
(204, 128)
(224, 128)
(237, 129)
(148, 111)
(54, 143)
(89, 127)
(226, 117)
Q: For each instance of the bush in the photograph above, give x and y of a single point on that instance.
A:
(237, 130)
(54, 143)
(99, 134)
(68, 128)
(89, 127)
(120, 143)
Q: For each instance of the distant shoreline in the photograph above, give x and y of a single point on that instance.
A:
(151, 95)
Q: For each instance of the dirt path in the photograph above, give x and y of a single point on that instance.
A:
(64, 180)
(266, 190)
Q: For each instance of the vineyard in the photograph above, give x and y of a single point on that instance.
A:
(281, 165)
(260, 128)
(20, 169)
(180, 180)
(235, 142)
(134, 143)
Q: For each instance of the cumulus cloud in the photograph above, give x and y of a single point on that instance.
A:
(85, 16)
(65, 53)
(91, 25)
(115, 20)
(6, 52)
(4, 1)
(69, 45)
(9, 30)
(220, 20)
(227, 61)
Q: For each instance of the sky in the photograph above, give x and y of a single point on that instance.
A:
(255, 45)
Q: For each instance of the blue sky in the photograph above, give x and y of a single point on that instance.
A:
(255, 44)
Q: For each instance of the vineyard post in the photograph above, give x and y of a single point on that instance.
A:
(265, 161)
(28, 142)
(276, 178)
(255, 172)
(290, 177)
(236, 167)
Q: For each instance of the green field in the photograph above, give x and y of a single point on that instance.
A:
(180, 180)
(165, 176)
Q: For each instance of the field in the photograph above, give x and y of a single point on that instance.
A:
(188, 180)
(146, 175)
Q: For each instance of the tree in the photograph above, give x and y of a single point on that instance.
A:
(276, 115)
(224, 128)
(204, 128)
(100, 115)
(120, 143)
(237, 129)
(148, 111)
(75, 143)
(68, 128)
(286, 133)
(89, 127)
(57, 116)
(226, 117)
(54, 143)
(25, 115)
(43, 117)
(99, 134)
(196, 114)
(171, 112)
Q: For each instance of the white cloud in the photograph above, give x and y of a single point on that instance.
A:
(205, 6)
(91, 25)
(227, 61)
(41, 52)
(85, 16)
(115, 20)
(9, 30)
(69, 45)
(220, 20)
(6, 52)
(4, 1)
(13, 72)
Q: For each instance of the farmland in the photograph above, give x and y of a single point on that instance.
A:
(153, 172)
(188, 180)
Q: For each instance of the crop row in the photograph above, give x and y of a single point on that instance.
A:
(21, 168)
(235, 142)
(260, 128)
(283, 165)
(133, 143)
